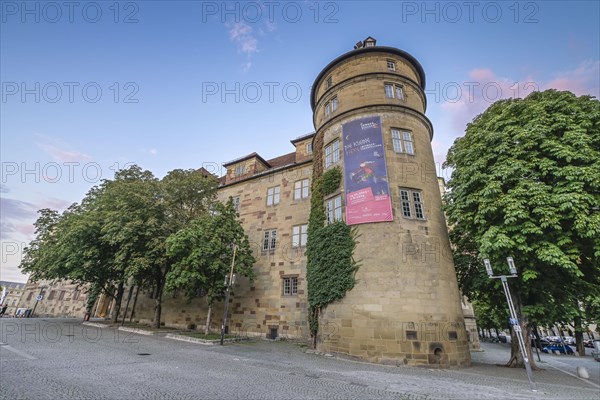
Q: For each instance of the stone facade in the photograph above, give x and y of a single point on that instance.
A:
(59, 299)
(14, 290)
(406, 306)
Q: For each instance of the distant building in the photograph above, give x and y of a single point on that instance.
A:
(13, 294)
(58, 299)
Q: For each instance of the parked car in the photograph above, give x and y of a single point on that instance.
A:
(543, 343)
(554, 347)
(569, 340)
(588, 343)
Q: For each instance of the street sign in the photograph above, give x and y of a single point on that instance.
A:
(517, 328)
(39, 297)
(513, 321)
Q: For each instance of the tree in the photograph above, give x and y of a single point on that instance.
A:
(204, 252)
(526, 184)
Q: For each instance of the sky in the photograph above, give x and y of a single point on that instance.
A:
(90, 87)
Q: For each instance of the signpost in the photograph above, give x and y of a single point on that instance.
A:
(513, 314)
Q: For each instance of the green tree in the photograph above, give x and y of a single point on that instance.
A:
(526, 184)
(203, 255)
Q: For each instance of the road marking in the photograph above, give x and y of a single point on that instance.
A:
(18, 352)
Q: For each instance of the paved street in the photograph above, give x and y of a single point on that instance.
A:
(63, 359)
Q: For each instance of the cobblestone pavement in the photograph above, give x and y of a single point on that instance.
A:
(63, 359)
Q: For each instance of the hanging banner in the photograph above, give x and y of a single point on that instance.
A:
(365, 172)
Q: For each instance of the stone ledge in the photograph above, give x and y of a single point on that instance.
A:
(95, 324)
(136, 330)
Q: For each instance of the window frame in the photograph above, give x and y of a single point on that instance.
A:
(412, 205)
(302, 192)
(289, 286)
(237, 201)
(299, 235)
(391, 63)
(239, 170)
(269, 241)
(333, 157)
(309, 148)
(396, 91)
(403, 143)
(273, 193)
(334, 209)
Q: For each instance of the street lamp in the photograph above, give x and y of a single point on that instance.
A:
(513, 314)
(229, 281)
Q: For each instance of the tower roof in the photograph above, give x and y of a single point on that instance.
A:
(372, 49)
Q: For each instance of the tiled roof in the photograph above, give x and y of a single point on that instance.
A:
(285, 159)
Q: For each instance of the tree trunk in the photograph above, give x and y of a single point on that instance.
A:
(579, 336)
(207, 327)
(117, 308)
(516, 359)
(160, 284)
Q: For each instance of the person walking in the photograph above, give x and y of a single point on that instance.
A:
(3, 310)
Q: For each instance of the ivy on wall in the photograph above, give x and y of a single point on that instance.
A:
(331, 180)
(331, 267)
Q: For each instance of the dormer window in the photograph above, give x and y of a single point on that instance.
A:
(239, 170)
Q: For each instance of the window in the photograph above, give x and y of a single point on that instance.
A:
(273, 195)
(394, 91)
(236, 203)
(239, 170)
(76, 295)
(308, 148)
(51, 295)
(402, 141)
(391, 65)
(301, 189)
(29, 296)
(389, 91)
(411, 202)
(332, 153)
(61, 295)
(270, 239)
(290, 286)
(334, 104)
(299, 235)
(327, 109)
(334, 209)
(329, 82)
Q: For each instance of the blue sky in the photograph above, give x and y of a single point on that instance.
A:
(93, 87)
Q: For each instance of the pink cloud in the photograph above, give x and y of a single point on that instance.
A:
(64, 155)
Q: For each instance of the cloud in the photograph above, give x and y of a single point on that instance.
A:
(4, 188)
(585, 79)
(241, 34)
(16, 217)
(63, 155)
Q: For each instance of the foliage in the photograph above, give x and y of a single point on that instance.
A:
(203, 254)
(330, 267)
(526, 184)
(118, 232)
(331, 180)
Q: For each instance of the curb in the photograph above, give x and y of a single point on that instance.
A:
(136, 330)
(205, 342)
(95, 324)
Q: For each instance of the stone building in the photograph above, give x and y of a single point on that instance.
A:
(58, 299)
(13, 294)
(369, 117)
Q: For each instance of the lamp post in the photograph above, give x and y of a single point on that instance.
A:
(513, 314)
(229, 281)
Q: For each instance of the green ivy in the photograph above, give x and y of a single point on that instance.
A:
(331, 267)
(331, 180)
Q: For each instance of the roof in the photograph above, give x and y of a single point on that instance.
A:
(8, 284)
(303, 137)
(285, 159)
(374, 49)
(249, 156)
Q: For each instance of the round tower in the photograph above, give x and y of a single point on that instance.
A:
(369, 116)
